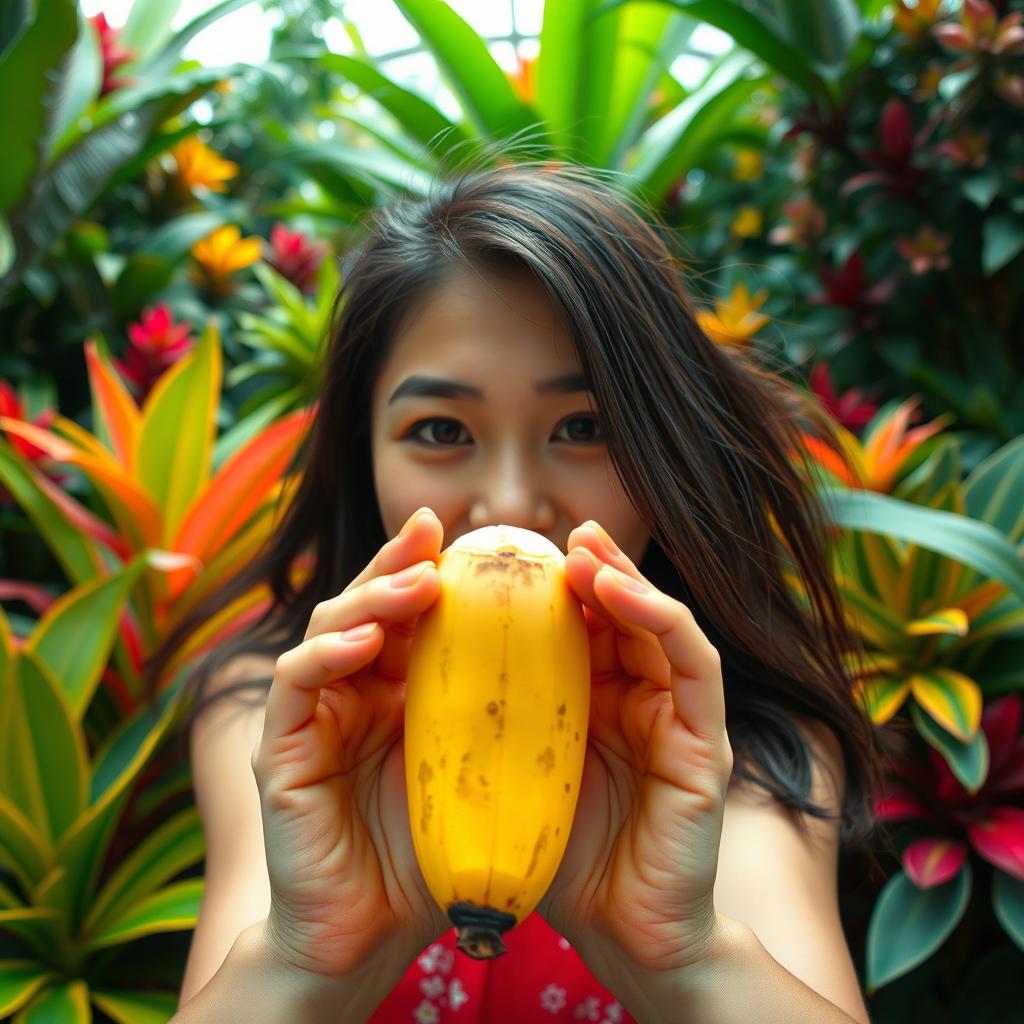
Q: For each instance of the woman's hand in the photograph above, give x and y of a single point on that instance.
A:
(638, 874)
(331, 774)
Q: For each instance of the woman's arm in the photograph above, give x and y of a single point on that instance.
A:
(257, 986)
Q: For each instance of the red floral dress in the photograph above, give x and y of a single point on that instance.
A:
(540, 977)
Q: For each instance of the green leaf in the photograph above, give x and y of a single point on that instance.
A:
(15, 17)
(53, 782)
(969, 762)
(83, 849)
(176, 781)
(176, 439)
(75, 636)
(136, 1007)
(908, 924)
(66, 1003)
(20, 980)
(982, 188)
(116, 767)
(164, 62)
(682, 139)
(1008, 904)
(482, 88)
(6, 246)
(1002, 668)
(24, 850)
(994, 491)
(125, 752)
(174, 847)
(77, 87)
(148, 26)
(419, 118)
(25, 84)
(825, 29)
(65, 193)
(369, 166)
(1002, 239)
(174, 908)
(172, 241)
(976, 544)
(39, 928)
(649, 38)
(753, 34)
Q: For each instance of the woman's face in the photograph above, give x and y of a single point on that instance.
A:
(512, 456)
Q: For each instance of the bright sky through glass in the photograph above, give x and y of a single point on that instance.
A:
(244, 37)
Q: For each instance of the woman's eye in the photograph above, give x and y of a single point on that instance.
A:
(447, 436)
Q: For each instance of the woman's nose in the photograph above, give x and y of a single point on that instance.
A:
(514, 494)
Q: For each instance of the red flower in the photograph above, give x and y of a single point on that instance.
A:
(295, 257)
(848, 289)
(894, 160)
(853, 409)
(968, 149)
(113, 54)
(981, 31)
(12, 407)
(988, 820)
(156, 344)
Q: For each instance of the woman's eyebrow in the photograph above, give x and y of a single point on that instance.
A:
(441, 387)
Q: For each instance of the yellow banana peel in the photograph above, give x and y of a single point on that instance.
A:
(496, 711)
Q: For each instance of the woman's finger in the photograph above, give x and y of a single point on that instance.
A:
(696, 670)
(421, 537)
(301, 672)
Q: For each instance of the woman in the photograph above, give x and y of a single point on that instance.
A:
(518, 348)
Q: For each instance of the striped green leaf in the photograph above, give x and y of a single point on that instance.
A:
(64, 1003)
(683, 138)
(949, 620)
(974, 543)
(50, 784)
(172, 909)
(75, 635)
(20, 980)
(136, 1007)
(967, 761)
(909, 924)
(465, 63)
(174, 847)
(24, 850)
(951, 698)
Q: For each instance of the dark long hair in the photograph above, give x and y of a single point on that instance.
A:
(704, 438)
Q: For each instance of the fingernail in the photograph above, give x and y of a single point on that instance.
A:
(407, 577)
(625, 581)
(409, 522)
(605, 539)
(350, 636)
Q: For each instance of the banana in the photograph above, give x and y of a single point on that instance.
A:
(496, 710)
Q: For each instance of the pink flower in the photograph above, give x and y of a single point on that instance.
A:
(805, 223)
(927, 250)
(12, 407)
(295, 257)
(156, 344)
(990, 820)
(968, 149)
(113, 54)
(980, 31)
(853, 409)
(893, 161)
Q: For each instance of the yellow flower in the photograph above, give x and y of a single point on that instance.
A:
(224, 251)
(736, 318)
(749, 165)
(199, 166)
(916, 21)
(747, 223)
